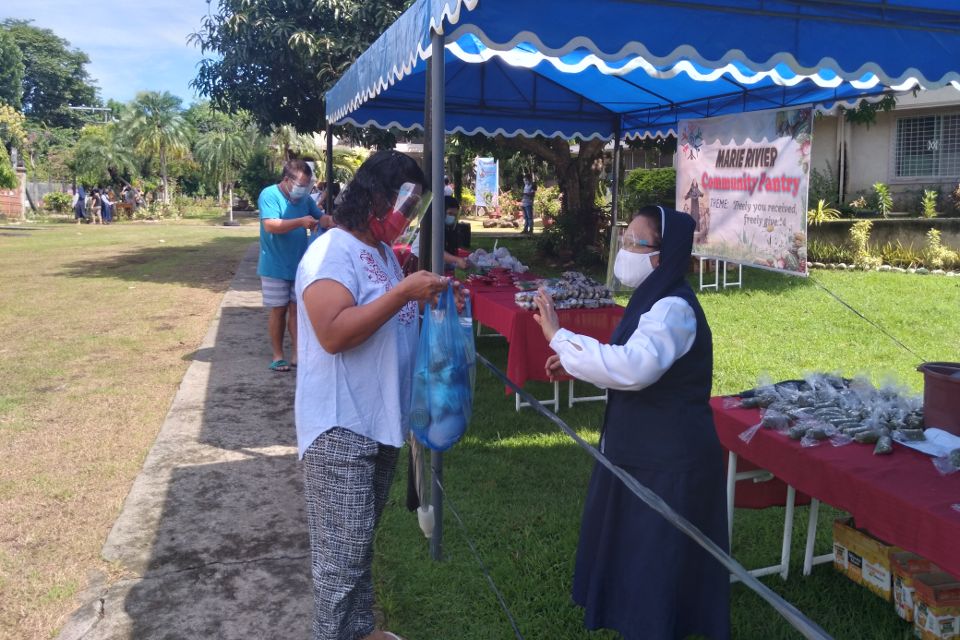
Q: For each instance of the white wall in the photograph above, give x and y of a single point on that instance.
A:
(870, 148)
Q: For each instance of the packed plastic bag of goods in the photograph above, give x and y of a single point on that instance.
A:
(499, 257)
(572, 290)
(828, 408)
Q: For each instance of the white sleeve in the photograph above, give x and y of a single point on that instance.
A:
(664, 335)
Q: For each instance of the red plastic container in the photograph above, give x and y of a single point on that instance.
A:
(941, 395)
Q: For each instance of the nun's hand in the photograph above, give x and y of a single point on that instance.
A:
(547, 318)
(554, 368)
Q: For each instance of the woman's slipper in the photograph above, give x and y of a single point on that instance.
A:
(280, 365)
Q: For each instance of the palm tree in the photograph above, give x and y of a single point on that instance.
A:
(156, 126)
(223, 154)
(101, 153)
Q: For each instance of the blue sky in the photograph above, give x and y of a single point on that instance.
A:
(134, 45)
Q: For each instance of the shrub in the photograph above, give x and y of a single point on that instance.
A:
(821, 213)
(547, 202)
(467, 200)
(823, 186)
(937, 255)
(260, 172)
(860, 240)
(929, 203)
(899, 256)
(818, 251)
(883, 198)
(955, 199)
(57, 202)
(649, 186)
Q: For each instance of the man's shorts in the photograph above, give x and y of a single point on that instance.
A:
(277, 292)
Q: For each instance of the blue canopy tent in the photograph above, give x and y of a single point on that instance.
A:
(613, 68)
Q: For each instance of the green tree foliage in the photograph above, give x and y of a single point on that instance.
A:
(222, 153)
(102, 156)
(156, 126)
(54, 77)
(298, 48)
(649, 186)
(8, 178)
(11, 70)
(260, 172)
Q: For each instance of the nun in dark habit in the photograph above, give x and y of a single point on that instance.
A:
(636, 573)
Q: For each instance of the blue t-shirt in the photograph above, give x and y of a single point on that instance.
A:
(280, 253)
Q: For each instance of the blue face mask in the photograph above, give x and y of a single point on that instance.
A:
(450, 220)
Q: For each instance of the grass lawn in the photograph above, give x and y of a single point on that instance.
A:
(518, 483)
(98, 325)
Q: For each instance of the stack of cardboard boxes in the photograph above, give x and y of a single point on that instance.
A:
(919, 590)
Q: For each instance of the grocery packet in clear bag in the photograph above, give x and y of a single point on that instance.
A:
(442, 399)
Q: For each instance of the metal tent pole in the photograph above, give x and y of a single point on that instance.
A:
(329, 193)
(614, 206)
(436, 250)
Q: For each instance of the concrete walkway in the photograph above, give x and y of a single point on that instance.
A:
(212, 538)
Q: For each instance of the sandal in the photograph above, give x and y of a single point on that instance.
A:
(280, 365)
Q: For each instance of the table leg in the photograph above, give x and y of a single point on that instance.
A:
(480, 334)
(554, 402)
(808, 558)
(787, 532)
(574, 399)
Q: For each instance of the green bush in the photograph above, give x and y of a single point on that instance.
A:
(547, 202)
(937, 255)
(883, 199)
(929, 203)
(649, 186)
(897, 255)
(822, 213)
(860, 239)
(826, 252)
(823, 186)
(467, 200)
(57, 202)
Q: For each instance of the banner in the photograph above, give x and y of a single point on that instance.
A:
(744, 179)
(488, 182)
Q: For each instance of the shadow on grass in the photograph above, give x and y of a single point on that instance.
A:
(164, 264)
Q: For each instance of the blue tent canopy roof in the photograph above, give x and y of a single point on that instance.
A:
(518, 68)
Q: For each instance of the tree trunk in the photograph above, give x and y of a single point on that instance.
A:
(220, 192)
(230, 205)
(163, 174)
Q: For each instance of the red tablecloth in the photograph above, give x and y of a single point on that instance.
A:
(899, 498)
(494, 307)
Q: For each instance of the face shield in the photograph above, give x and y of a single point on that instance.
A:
(409, 205)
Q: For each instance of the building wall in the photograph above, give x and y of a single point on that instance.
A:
(11, 200)
(871, 149)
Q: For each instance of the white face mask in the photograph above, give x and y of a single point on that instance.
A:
(633, 268)
(297, 192)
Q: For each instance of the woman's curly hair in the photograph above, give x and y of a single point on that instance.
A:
(373, 187)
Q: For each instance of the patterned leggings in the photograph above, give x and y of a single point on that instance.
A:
(346, 481)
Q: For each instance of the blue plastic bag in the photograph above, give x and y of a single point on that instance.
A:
(443, 376)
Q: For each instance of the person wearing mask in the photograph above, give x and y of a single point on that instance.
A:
(286, 214)
(358, 319)
(635, 572)
(450, 240)
(526, 202)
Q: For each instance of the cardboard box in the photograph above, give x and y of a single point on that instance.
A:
(905, 566)
(936, 613)
(863, 558)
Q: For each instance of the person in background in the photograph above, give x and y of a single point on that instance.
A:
(286, 214)
(106, 207)
(358, 319)
(317, 192)
(93, 207)
(78, 203)
(450, 240)
(526, 202)
(635, 572)
(447, 187)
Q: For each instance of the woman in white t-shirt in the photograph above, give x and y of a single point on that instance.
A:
(358, 321)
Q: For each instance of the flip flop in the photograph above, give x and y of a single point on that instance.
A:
(280, 365)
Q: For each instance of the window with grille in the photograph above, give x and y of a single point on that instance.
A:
(928, 147)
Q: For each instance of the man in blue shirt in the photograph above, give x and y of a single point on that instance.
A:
(286, 213)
